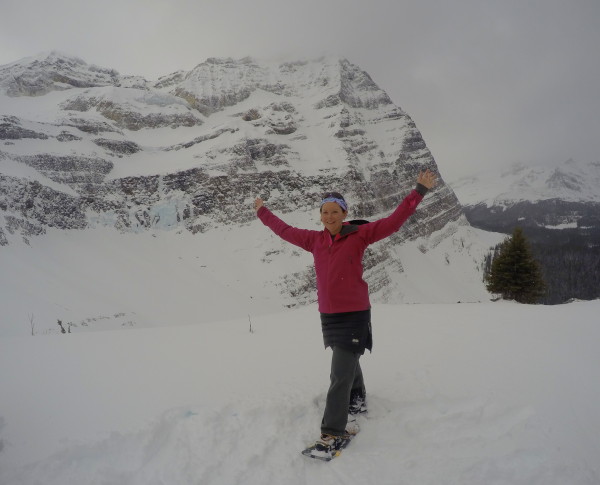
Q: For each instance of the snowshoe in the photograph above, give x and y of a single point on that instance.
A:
(328, 447)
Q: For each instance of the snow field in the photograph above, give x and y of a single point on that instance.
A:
(492, 393)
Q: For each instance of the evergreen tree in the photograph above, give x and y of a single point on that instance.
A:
(514, 273)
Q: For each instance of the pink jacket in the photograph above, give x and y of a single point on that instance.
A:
(338, 262)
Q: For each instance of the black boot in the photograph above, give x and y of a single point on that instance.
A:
(358, 402)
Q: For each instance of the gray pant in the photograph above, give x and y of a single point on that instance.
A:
(346, 375)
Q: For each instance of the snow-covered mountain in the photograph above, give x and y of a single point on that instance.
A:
(558, 207)
(563, 196)
(85, 147)
(570, 181)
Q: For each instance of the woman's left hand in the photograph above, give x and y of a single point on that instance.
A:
(427, 179)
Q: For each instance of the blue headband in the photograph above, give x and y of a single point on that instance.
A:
(340, 202)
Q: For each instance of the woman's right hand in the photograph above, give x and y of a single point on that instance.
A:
(258, 203)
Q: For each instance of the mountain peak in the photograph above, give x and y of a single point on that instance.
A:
(44, 57)
(52, 71)
(220, 82)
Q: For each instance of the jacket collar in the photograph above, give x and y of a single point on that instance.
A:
(346, 229)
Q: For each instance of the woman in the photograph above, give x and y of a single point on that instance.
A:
(343, 296)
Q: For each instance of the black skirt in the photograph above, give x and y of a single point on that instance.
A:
(349, 330)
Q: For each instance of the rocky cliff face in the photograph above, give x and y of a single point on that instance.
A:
(83, 146)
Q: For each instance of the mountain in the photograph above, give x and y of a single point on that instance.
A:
(52, 71)
(86, 148)
(569, 181)
(558, 207)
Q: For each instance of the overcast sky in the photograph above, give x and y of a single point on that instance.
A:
(488, 82)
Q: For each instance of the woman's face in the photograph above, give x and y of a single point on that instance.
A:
(332, 217)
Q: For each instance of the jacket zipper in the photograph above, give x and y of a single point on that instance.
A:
(331, 241)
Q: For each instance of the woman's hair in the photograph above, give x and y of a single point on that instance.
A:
(335, 197)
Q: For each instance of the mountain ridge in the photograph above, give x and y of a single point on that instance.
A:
(571, 181)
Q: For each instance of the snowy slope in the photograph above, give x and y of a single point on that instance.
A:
(493, 393)
(101, 279)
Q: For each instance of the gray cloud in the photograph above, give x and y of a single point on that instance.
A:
(487, 82)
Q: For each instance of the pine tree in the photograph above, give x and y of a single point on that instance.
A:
(514, 274)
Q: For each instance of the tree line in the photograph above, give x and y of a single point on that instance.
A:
(540, 272)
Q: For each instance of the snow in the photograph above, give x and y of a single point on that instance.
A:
(566, 225)
(101, 279)
(570, 181)
(492, 393)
